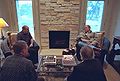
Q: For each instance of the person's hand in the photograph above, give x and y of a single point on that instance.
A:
(31, 45)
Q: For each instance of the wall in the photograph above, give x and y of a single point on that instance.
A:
(3, 13)
(113, 26)
(117, 27)
(3, 9)
(7, 11)
(36, 21)
(111, 18)
(59, 15)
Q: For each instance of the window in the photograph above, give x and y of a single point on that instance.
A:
(25, 15)
(94, 14)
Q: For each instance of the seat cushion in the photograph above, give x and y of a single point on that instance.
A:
(99, 37)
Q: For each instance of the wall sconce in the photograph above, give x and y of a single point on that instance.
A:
(3, 24)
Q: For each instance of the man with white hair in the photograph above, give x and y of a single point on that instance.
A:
(89, 69)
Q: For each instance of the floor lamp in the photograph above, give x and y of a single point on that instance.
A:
(2, 25)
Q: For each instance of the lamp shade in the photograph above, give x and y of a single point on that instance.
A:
(2, 23)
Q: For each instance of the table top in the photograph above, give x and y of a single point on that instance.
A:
(56, 66)
(65, 60)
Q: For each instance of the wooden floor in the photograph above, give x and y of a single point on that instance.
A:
(110, 72)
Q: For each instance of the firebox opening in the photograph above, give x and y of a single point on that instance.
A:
(59, 39)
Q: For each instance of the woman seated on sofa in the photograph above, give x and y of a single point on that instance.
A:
(6, 44)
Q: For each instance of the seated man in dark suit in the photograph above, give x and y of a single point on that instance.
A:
(89, 69)
(26, 36)
(16, 67)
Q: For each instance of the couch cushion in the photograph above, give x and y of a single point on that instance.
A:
(99, 37)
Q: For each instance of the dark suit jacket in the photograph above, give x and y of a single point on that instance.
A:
(88, 70)
(17, 68)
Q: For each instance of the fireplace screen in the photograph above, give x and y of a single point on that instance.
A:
(59, 39)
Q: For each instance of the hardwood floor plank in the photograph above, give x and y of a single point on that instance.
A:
(111, 74)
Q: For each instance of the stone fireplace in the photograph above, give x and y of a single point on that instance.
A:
(60, 15)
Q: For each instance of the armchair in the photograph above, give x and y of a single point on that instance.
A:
(114, 51)
(104, 50)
